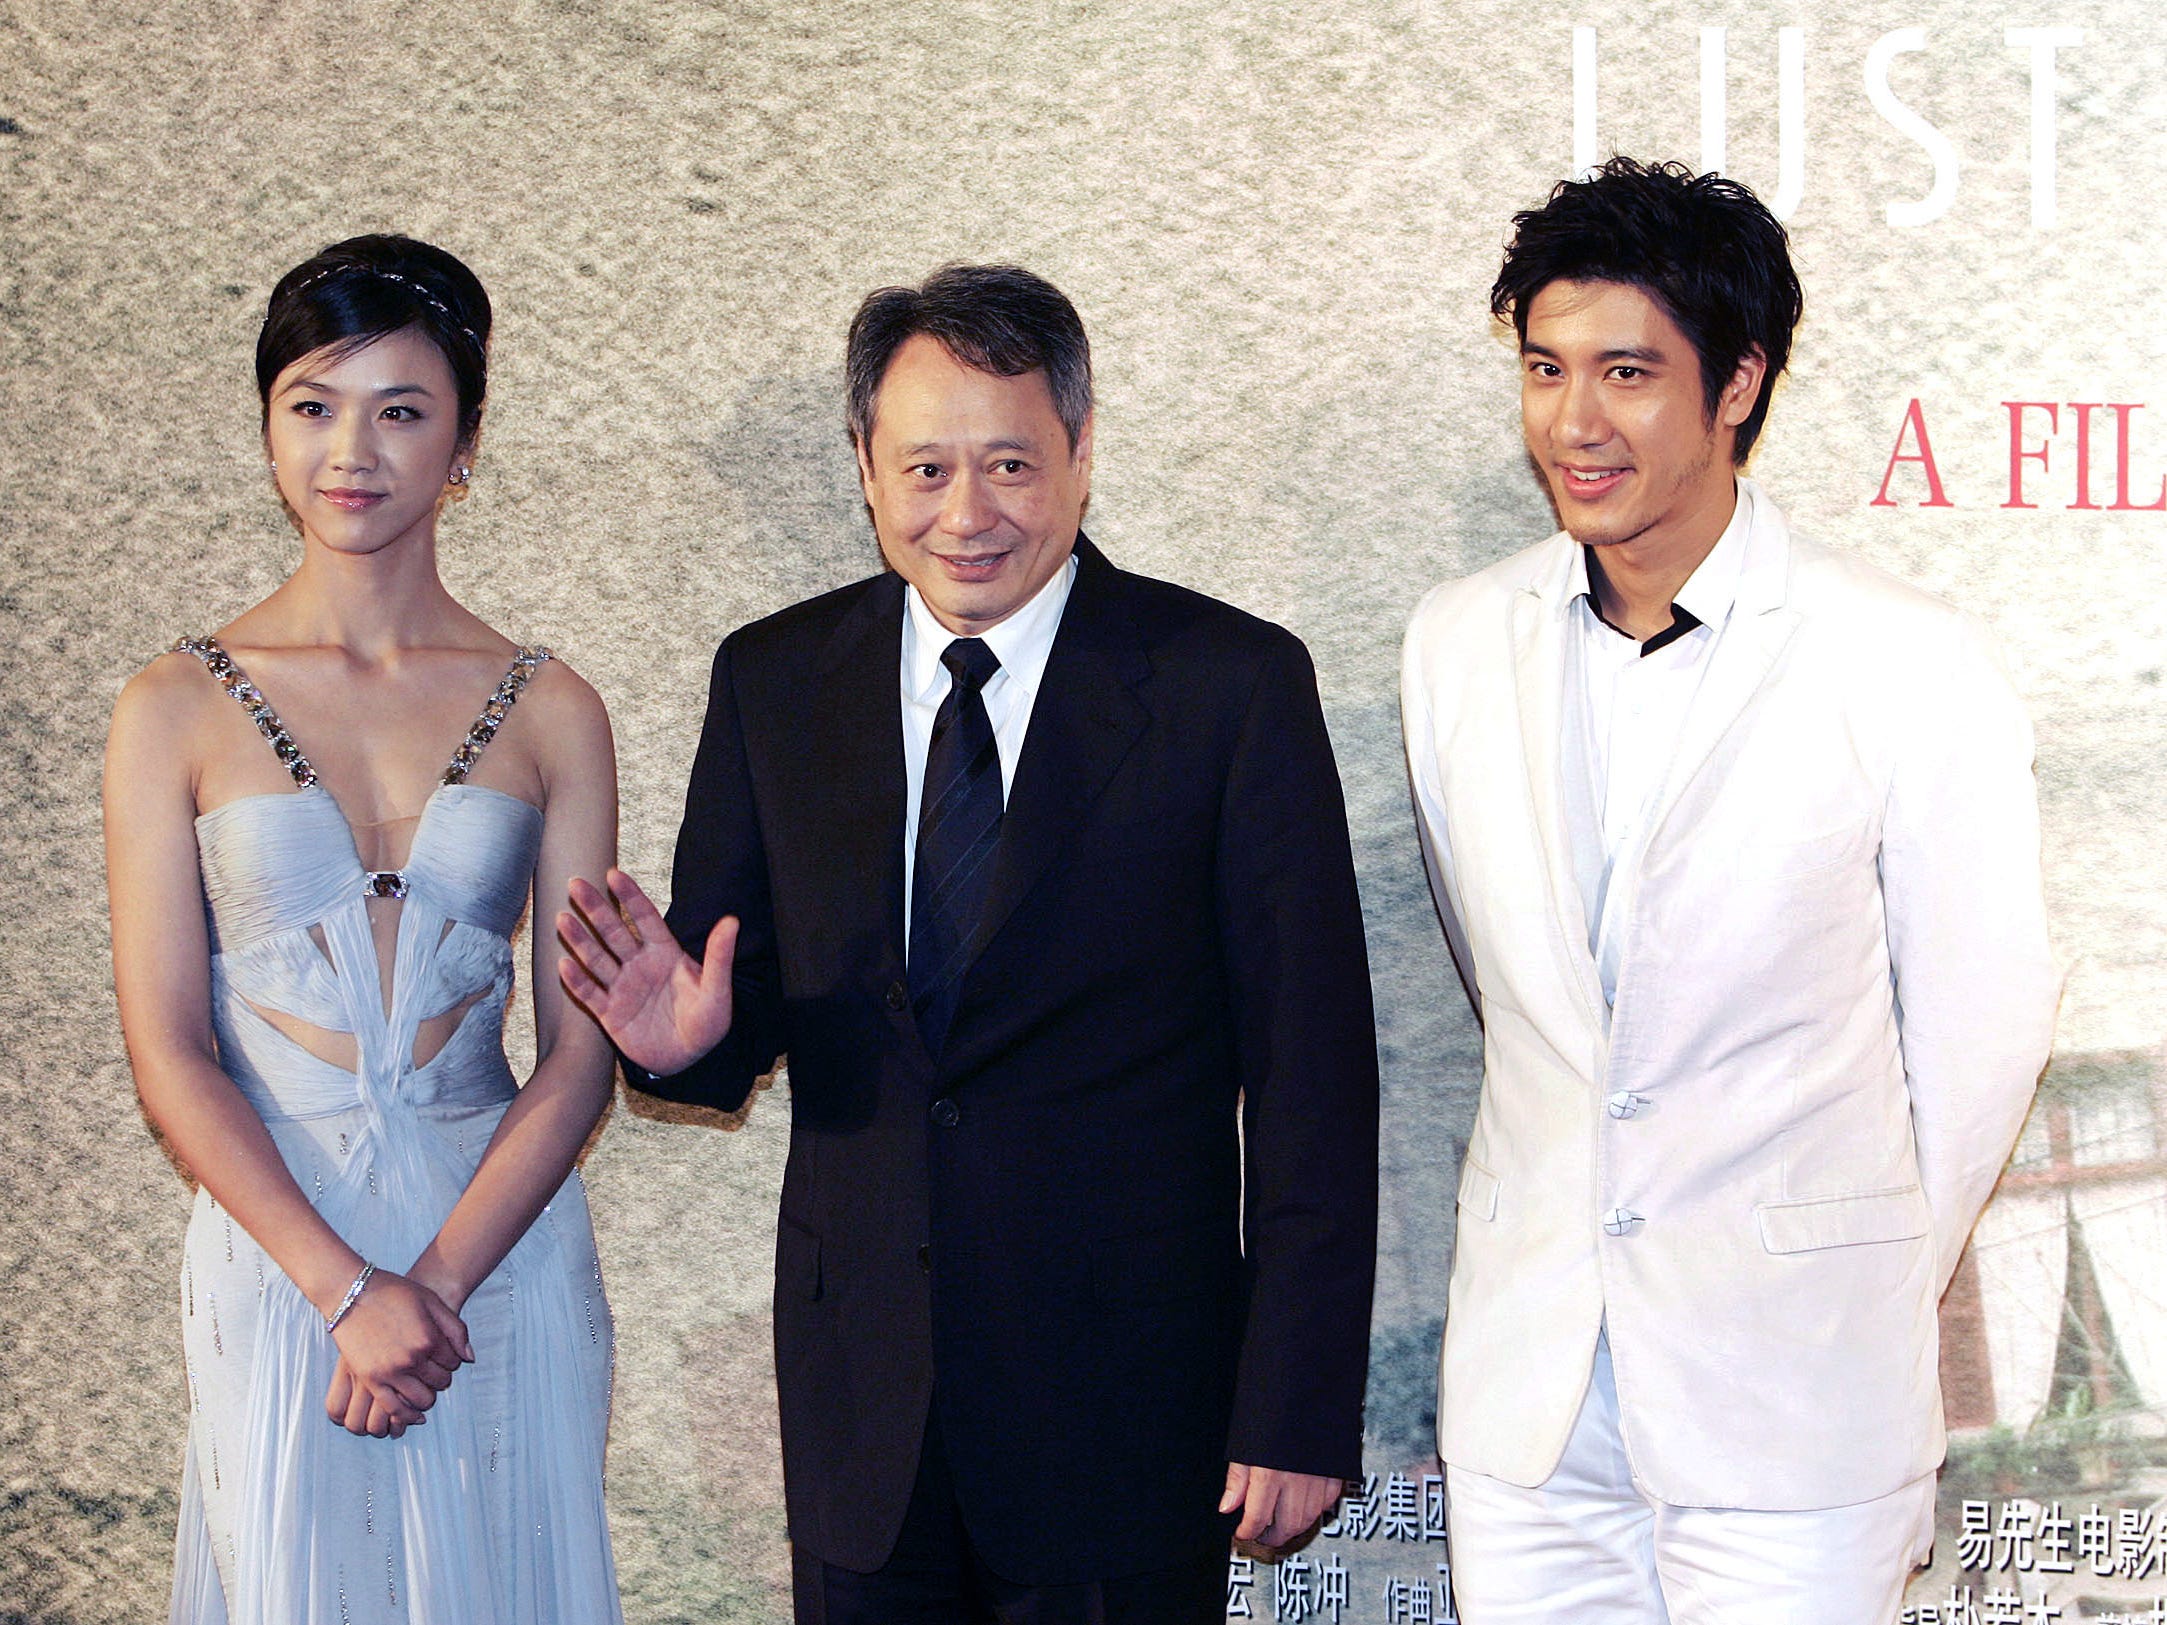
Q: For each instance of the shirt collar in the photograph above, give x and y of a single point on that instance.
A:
(1711, 589)
(1708, 593)
(1022, 643)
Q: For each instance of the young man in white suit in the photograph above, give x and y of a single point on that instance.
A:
(1735, 842)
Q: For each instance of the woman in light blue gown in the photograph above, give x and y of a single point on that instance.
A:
(323, 824)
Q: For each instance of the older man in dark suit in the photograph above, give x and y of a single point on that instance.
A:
(1038, 872)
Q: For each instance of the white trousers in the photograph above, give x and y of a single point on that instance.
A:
(1590, 1546)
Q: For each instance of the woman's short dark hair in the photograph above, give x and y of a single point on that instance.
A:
(1702, 247)
(997, 318)
(364, 288)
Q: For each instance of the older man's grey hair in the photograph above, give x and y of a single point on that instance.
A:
(1000, 319)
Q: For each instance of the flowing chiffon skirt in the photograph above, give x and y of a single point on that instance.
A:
(490, 1513)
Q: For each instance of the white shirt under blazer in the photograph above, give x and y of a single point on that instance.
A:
(1836, 996)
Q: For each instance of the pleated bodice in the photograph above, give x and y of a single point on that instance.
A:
(278, 869)
(287, 897)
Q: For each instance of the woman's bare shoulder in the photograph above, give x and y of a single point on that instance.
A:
(171, 690)
(573, 740)
(567, 698)
(162, 722)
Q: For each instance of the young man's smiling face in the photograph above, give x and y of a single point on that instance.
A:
(1615, 416)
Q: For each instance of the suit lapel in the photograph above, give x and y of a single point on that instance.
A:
(854, 744)
(1085, 719)
(1760, 626)
(1539, 626)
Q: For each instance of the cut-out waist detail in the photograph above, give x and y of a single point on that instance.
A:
(283, 1079)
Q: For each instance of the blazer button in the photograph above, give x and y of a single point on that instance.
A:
(896, 997)
(1619, 1221)
(1625, 1103)
(946, 1112)
(925, 1257)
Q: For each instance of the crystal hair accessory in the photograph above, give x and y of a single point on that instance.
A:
(406, 282)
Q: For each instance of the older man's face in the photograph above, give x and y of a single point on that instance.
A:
(976, 494)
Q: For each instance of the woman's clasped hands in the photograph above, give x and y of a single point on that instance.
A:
(399, 1345)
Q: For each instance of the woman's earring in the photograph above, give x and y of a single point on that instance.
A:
(459, 476)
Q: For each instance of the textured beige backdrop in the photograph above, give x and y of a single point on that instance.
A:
(1278, 221)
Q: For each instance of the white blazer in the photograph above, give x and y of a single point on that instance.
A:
(1835, 999)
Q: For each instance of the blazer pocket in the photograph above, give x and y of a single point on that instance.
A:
(797, 1260)
(1897, 1214)
(1772, 860)
(1478, 1190)
(1163, 1266)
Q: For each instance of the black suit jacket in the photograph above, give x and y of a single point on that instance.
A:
(1045, 1225)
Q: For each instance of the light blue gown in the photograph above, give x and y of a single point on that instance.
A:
(490, 1513)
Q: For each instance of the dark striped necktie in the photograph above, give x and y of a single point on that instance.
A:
(959, 824)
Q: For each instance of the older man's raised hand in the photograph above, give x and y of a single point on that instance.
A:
(661, 1010)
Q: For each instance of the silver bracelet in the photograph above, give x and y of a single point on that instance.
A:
(353, 1296)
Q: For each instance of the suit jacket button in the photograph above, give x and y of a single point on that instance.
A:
(896, 997)
(946, 1112)
(925, 1257)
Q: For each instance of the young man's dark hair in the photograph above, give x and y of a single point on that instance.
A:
(1702, 247)
(999, 319)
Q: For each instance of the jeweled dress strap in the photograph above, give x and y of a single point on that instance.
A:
(493, 713)
(250, 698)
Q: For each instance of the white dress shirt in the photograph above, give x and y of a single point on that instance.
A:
(1021, 644)
(1625, 706)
